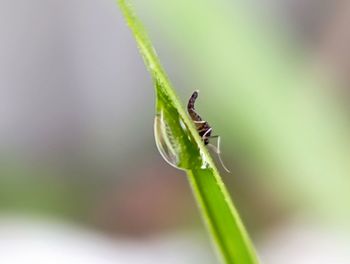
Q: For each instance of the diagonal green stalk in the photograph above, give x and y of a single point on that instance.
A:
(219, 214)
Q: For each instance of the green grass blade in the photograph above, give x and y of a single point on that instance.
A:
(222, 219)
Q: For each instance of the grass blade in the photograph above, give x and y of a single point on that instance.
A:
(222, 219)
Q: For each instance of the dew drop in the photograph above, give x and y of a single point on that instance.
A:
(180, 149)
(165, 141)
(174, 141)
(177, 148)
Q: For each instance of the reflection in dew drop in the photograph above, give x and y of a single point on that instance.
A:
(165, 141)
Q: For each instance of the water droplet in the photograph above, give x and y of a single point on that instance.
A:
(165, 141)
(175, 148)
(179, 150)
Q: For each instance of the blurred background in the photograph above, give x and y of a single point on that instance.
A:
(81, 180)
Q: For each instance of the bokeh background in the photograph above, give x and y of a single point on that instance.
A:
(81, 180)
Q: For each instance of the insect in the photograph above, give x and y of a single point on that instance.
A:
(203, 127)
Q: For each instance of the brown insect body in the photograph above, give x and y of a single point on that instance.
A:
(203, 127)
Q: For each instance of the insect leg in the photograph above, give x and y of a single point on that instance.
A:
(206, 133)
(217, 150)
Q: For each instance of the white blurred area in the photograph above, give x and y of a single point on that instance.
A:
(30, 240)
(27, 240)
(305, 242)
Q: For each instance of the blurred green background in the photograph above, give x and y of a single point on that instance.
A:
(81, 180)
